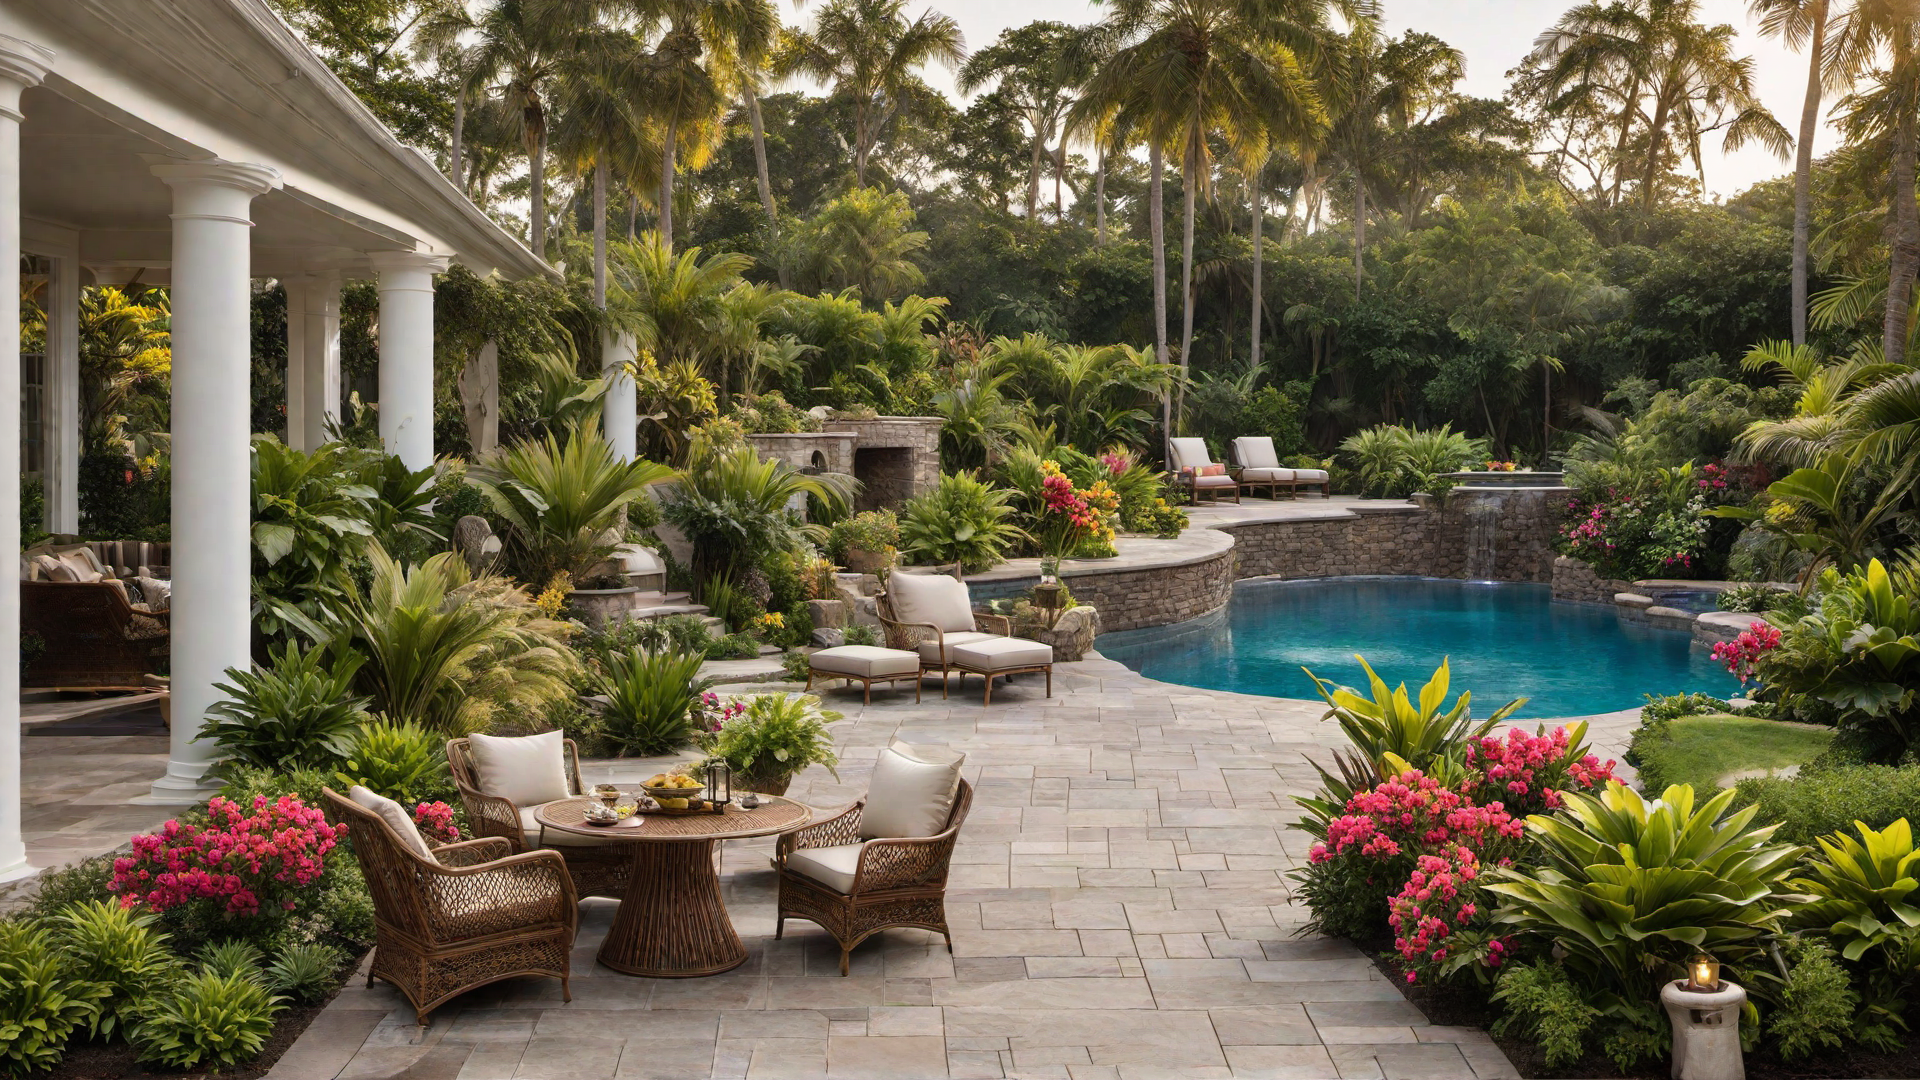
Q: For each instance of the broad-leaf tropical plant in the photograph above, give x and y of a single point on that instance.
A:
(650, 696)
(1415, 731)
(1863, 900)
(965, 520)
(559, 498)
(732, 505)
(297, 712)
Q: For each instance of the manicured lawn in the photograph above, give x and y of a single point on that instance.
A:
(1703, 750)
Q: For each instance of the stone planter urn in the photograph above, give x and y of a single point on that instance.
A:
(763, 784)
(1706, 1030)
(606, 605)
(862, 561)
(1072, 636)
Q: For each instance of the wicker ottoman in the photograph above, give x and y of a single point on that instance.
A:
(866, 664)
(1002, 656)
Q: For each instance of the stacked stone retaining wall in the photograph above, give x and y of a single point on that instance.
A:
(1577, 580)
(1159, 595)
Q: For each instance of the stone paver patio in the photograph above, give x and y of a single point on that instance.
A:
(1119, 907)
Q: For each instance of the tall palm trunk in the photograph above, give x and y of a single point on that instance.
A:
(1059, 175)
(1654, 131)
(1189, 178)
(760, 156)
(1259, 234)
(454, 161)
(1803, 170)
(600, 233)
(1631, 110)
(633, 214)
(1157, 235)
(667, 168)
(1100, 198)
(1906, 242)
(537, 199)
(1359, 233)
(1033, 173)
(860, 141)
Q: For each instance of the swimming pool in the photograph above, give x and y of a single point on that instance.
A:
(1504, 641)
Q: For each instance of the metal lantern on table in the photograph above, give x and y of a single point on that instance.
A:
(1705, 1013)
(719, 783)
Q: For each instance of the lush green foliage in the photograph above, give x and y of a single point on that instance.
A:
(305, 972)
(1393, 461)
(965, 520)
(732, 506)
(559, 498)
(208, 1019)
(650, 699)
(402, 760)
(299, 712)
(1817, 1002)
(773, 738)
(877, 531)
(1862, 899)
(42, 1003)
(117, 949)
(1389, 728)
(1827, 798)
(1541, 1002)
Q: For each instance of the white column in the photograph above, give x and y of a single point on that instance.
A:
(405, 282)
(620, 412)
(296, 289)
(321, 357)
(211, 347)
(63, 396)
(21, 65)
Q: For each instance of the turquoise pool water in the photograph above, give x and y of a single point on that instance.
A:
(1504, 641)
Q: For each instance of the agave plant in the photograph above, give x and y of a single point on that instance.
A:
(650, 698)
(1629, 889)
(559, 498)
(1862, 898)
(452, 651)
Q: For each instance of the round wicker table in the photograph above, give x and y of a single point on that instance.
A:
(671, 923)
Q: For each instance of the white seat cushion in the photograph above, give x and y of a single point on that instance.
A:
(1002, 654)
(1310, 476)
(908, 797)
(535, 836)
(1267, 476)
(865, 661)
(157, 592)
(525, 771)
(1189, 453)
(833, 867)
(930, 650)
(931, 598)
(1255, 452)
(395, 816)
(1214, 481)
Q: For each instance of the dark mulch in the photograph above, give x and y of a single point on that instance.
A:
(116, 1061)
(1463, 1003)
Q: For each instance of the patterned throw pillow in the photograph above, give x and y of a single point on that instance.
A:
(1205, 470)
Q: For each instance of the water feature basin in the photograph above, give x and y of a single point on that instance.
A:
(1503, 640)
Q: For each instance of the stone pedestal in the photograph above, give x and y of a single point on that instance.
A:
(1706, 1031)
(1072, 636)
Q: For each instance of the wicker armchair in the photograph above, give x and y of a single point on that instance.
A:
(900, 882)
(598, 869)
(934, 648)
(474, 914)
(94, 639)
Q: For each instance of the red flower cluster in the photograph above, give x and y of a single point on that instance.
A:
(1528, 771)
(1712, 477)
(1436, 901)
(241, 860)
(1056, 492)
(1744, 651)
(1117, 461)
(1413, 813)
(435, 819)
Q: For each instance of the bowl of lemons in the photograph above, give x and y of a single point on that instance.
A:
(673, 791)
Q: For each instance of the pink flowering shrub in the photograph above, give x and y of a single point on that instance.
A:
(241, 862)
(1527, 772)
(1439, 899)
(435, 820)
(1743, 653)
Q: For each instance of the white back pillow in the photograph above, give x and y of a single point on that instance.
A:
(931, 598)
(525, 771)
(908, 797)
(395, 816)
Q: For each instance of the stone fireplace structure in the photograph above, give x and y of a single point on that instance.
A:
(894, 457)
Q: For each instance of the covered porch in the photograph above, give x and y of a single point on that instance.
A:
(200, 145)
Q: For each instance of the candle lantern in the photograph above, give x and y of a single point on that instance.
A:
(719, 783)
(1703, 974)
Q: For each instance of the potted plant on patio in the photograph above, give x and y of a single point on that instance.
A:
(771, 740)
(865, 542)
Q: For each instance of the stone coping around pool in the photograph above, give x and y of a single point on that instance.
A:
(1155, 582)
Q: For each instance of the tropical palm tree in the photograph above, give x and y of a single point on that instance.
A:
(1196, 68)
(677, 302)
(865, 240)
(1824, 28)
(1887, 113)
(1038, 67)
(600, 126)
(519, 49)
(869, 51)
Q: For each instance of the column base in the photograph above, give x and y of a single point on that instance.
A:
(18, 871)
(184, 784)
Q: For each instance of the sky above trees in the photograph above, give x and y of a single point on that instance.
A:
(1494, 35)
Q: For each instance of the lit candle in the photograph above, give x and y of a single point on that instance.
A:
(1705, 973)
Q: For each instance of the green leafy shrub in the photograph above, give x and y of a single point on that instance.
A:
(41, 1002)
(1756, 598)
(1158, 518)
(245, 782)
(1415, 731)
(117, 949)
(305, 972)
(650, 698)
(877, 531)
(1863, 900)
(1629, 890)
(732, 507)
(964, 520)
(862, 635)
(1541, 1004)
(740, 646)
(795, 666)
(602, 642)
(1817, 1002)
(1828, 798)
(559, 498)
(1675, 706)
(207, 1019)
(1393, 462)
(231, 957)
(773, 738)
(403, 761)
(298, 712)
(78, 883)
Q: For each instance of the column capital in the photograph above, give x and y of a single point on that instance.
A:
(244, 176)
(385, 263)
(22, 64)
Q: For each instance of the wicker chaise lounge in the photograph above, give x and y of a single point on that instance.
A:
(597, 869)
(854, 883)
(1258, 465)
(459, 917)
(1195, 471)
(932, 614)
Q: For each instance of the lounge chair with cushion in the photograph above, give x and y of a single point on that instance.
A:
(504, 781)
(932, 615)
(461, 916)
(93, 637)
(1259, 466)
(1196, 472)
(881, 862)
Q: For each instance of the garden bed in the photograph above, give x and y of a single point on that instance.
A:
(118, 1059)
